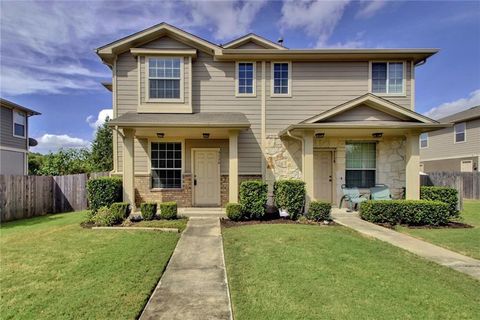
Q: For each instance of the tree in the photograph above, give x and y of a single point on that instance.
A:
(35, 162)
(66, 161)
(102, 149)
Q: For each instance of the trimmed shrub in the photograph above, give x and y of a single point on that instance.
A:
(168, 210)
(148, 210)
(411, 212)
(444, 194)
(104, 191)
(253, 198)
(120, 209)
(319, 211)
(105, 217)
(290, 195)
(234, 212)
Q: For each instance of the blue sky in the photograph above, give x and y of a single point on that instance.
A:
(48, 61)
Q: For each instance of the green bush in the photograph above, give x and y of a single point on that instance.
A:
(234, 212)
(168, 210)
(104, 191)
(319, 211)
(148, 210)
(105, 217)
(253, 198)
(290, 195)
(444, 194)
(120, 209)
(411, 212)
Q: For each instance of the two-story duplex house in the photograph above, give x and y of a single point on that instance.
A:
(192, 119)
(14, 141)
(453, 149)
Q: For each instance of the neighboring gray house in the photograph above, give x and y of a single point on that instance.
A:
(453, 149)
(14, 141)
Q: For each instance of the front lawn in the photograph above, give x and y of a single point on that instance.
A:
(465, 241)
(51, 268)
(311, 272)
(180, 224)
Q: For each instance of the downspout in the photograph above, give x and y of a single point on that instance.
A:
(303, 149)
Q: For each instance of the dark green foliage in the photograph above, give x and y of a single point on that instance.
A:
(35, 162)
(106, 217)
(290, 195)
(234, 211)
(101, 156)
(65, 161)
(411, 212)
(319, 211)
(148, 210)
(103, 192)
(120, 209)
(168, 210)
(253, 198)
(444, 194)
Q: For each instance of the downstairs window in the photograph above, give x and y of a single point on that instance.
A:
(360, 164)
(166, 164)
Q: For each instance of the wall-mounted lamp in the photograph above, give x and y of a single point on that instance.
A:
(320, 135)
(206, 135)
(160, 134)
(377, 134)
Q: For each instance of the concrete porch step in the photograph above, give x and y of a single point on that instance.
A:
(216, 212)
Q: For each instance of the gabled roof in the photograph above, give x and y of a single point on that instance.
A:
(469, 114)
(375, 102)
(251, 37)
(12, 105)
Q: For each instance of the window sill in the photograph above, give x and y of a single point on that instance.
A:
(246, 95)
(20, 137)
(165, 189)
(402, 95)
(280, 96)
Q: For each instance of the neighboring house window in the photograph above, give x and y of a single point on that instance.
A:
(387, 77)
(246, 78)
(164, 78)
(19, 124)
(460, 134)
(166, 164)
(281, 79)
(424, 140)
(360, 164)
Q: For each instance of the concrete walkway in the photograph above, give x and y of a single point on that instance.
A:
(424, 249)
(194, 285)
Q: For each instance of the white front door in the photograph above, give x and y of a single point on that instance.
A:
(206, 175)
(323, 163)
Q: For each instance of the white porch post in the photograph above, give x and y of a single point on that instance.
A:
(308, 167)
(128, 167)
(412, 168)
(233, 167)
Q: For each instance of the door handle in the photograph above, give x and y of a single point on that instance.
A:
(329, 178)
(195, 180)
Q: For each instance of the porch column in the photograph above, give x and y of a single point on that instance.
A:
(128, 167)
(412, 168)
(308, 167)
(233, 166)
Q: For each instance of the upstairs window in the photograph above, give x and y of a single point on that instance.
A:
(281, 79)
(360, 164)
(387, 77)
(164, 78)
(246, 78)
(424, 140)
(19, 124)
(460, 134)
(166, 164)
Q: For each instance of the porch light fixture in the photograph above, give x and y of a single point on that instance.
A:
(160, 134)
(320, 135)
(377, 134)
(206, 135)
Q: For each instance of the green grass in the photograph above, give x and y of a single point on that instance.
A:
(312, 272)
(51, 268)
(464, 241)
(180, 224)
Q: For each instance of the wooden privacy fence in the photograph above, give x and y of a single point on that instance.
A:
(467, 183)
(30, 196)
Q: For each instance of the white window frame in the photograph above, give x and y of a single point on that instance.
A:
(165, 140)
(455, 132)
(272, 80)
(24, 115)
(254, 83)
(420, 140)
(147, 80)
(404, 82)
(362, 169)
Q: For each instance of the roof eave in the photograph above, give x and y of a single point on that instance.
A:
(112, 123)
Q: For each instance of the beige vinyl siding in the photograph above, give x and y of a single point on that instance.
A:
(250, 45)
(441, 143)
(6, 138)
(215, 143)
(141, 155)
(361, 113)
(165, 43)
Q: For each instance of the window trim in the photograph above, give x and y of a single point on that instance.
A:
(404, 82)
(254, 84)
(272, 80)
(455, 133)
(362, 169)
(24, 125)
(181, 99)
(420, 140)
(172, 140)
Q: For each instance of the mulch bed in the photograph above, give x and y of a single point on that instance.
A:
(226, 223)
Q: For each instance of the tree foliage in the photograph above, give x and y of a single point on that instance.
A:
(66, 161)
(102, 149)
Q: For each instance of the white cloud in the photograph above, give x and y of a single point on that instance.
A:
(54, 142)
(101, 117)
(448, 108)
(369, 8)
